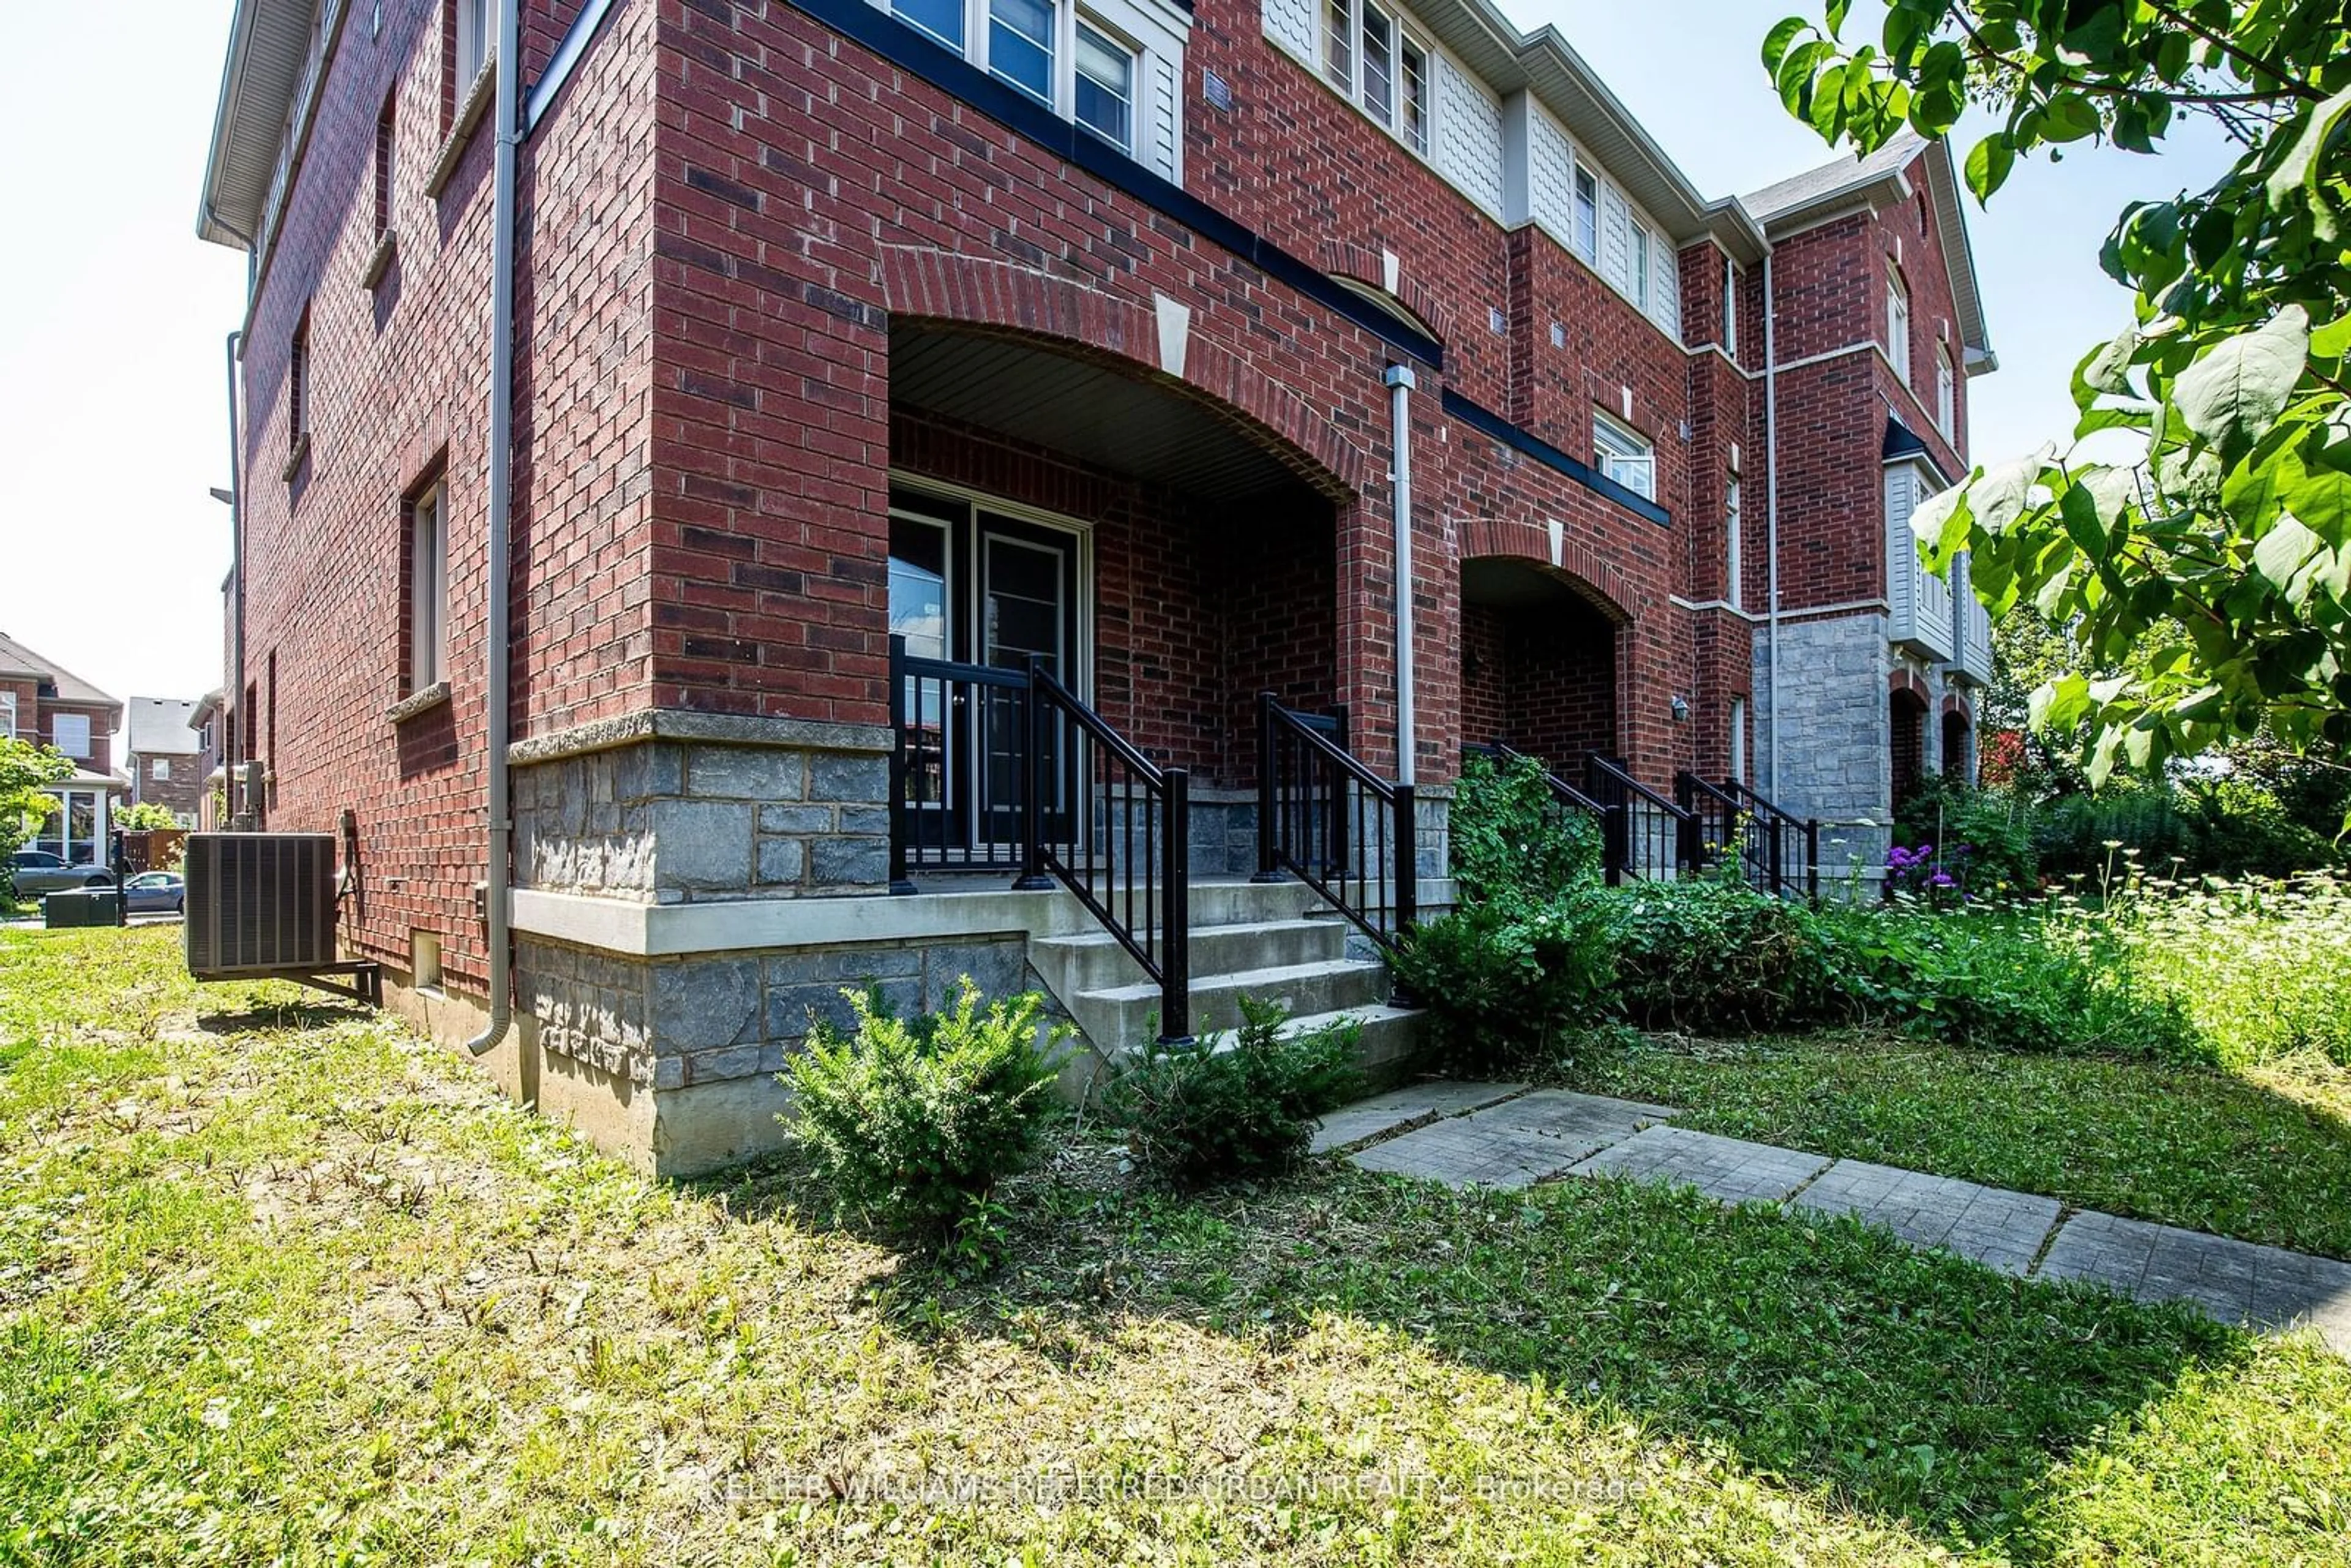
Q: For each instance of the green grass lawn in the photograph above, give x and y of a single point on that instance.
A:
(280, 1282)
(2260, 1152)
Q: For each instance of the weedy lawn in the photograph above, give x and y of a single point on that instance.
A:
(280, 1282)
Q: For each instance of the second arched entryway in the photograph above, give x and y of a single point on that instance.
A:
(1540, 662)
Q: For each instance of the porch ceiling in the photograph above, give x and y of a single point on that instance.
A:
(1498, 582)
(1094, 414)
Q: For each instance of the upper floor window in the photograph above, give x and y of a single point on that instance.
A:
(7, 716)
(1373, 56)
(160, 769)
(1625, 455)
(1734, 563)
(1587, 213)
(1946, 394)
(69, 733)
(298, 384)
(1897, 326)
(1111, 66)
(1639, 277)
(473, 40)
(384, 139)
(1729, 309)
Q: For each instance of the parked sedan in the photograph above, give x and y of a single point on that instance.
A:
(38, 872)
(156, 892)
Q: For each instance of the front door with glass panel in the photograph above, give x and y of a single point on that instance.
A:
(973, 587)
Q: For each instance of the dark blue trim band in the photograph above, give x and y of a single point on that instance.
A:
(921, 56)
(1487, 422)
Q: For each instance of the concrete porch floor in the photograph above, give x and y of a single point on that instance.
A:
(1503, 1136)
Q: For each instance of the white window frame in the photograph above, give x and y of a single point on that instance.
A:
(1730, 310)
(1946, 395)
(1586, 218)
(7, 716)
(428, 588)
(1624, 455)
(1113, 40)
(1058, 94)
(1639, 247)
(159, 769)
(476, 40)
(1733, 546)
(959, 46)
(78, 751)
(1897, 324)
(1340, 59)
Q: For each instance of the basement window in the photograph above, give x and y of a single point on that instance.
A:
(1625, 455)
(424, 960)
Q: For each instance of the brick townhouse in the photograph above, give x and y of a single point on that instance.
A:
(42, 701)
(933, 427)
(166, 750)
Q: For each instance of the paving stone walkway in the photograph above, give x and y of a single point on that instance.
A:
(1501, 1135)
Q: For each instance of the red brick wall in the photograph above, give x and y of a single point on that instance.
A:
(399, 375)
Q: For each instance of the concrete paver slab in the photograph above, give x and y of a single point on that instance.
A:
(2234, 1282)
(1990, 1225)
(1729, 1169)
(1383, 1113)
(1579, 1124)
(1460, 1153)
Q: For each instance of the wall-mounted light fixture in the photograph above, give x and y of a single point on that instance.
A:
(1681, 709)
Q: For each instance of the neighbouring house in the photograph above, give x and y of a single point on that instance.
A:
(932, 428)
(43, 701)
(166, 755)
(210, 719)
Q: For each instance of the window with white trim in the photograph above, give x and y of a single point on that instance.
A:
(1733, 562)
(1946, 394)
(1625, 455)
(475, 39)
(1897, 324)
(1371, 53)
(7, 716)
(428, 588)
(1587, 213)
(1639, 276)
(69, 733)
(1730, 310)
(1113, 68)
(160, 769)
(1105, 86)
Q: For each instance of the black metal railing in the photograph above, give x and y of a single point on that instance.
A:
(1110, 825)
(1504, 754)
(958, 772)
(1326, 818)
(1788, 854)
(1643, 834)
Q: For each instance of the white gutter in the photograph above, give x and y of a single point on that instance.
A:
(498, 685)
(1771, 527)
(1399, 382)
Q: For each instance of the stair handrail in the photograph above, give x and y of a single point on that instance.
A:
(1285, 836)
(1783, 824)
(1607, 781)
(1565, 793)
(1151, 920)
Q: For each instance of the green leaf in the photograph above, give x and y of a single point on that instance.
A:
(2333, 340)
(2078, 508)
(1988, 164)
(2321, 499)
(1999, 496)
(2069, 118)
(2281, 554)
(2060, 704)
(2108, 369)
(1776, 42)
(2301, 168)
(2236, 389)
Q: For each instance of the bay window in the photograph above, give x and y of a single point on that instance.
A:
(1370, 55)
(1625, 456)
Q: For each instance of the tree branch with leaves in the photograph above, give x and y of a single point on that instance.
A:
(2207, 578)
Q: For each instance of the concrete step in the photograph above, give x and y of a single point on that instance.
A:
(1094, 960)
(1388, 1038)
(1118, 1017)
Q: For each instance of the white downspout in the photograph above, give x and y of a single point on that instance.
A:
(1771, 527)
(498, 685)
(1399, 382)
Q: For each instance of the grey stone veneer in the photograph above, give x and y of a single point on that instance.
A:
(697, 811)
(677, 1022)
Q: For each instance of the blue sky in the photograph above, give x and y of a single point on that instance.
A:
(110, 346)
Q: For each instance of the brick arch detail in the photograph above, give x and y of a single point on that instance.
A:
(1956, 703)
(1363, 265)
(1906, 681)
(1579, 567)
(998, 297)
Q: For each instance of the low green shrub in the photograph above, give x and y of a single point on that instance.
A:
(1980, 841)
(1221, 1111)
(916, 1121)
(1512, 839)
(1998, 979)
(1714, 956)
(1505, 979)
